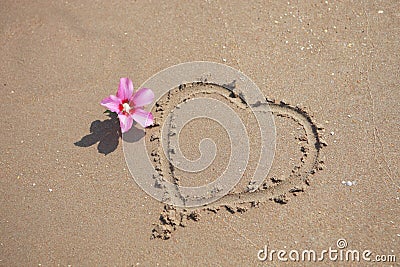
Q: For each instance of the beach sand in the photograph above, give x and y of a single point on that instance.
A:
(67, 196)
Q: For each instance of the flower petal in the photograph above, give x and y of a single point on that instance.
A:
(125, 121)
(143, 117)
(125, 89)
(112, 103)
(142, 97)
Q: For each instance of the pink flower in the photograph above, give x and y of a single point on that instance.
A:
(128, 105)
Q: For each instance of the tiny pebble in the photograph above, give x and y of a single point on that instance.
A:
(224, 59)
(348, 183)
(50, 190)
(380, 12)
(332, 133)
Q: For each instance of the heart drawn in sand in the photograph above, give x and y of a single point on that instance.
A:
(234, 107)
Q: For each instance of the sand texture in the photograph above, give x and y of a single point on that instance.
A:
(329, 71)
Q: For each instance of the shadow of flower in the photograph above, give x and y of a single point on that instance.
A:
(107, 133)
(133, 135)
